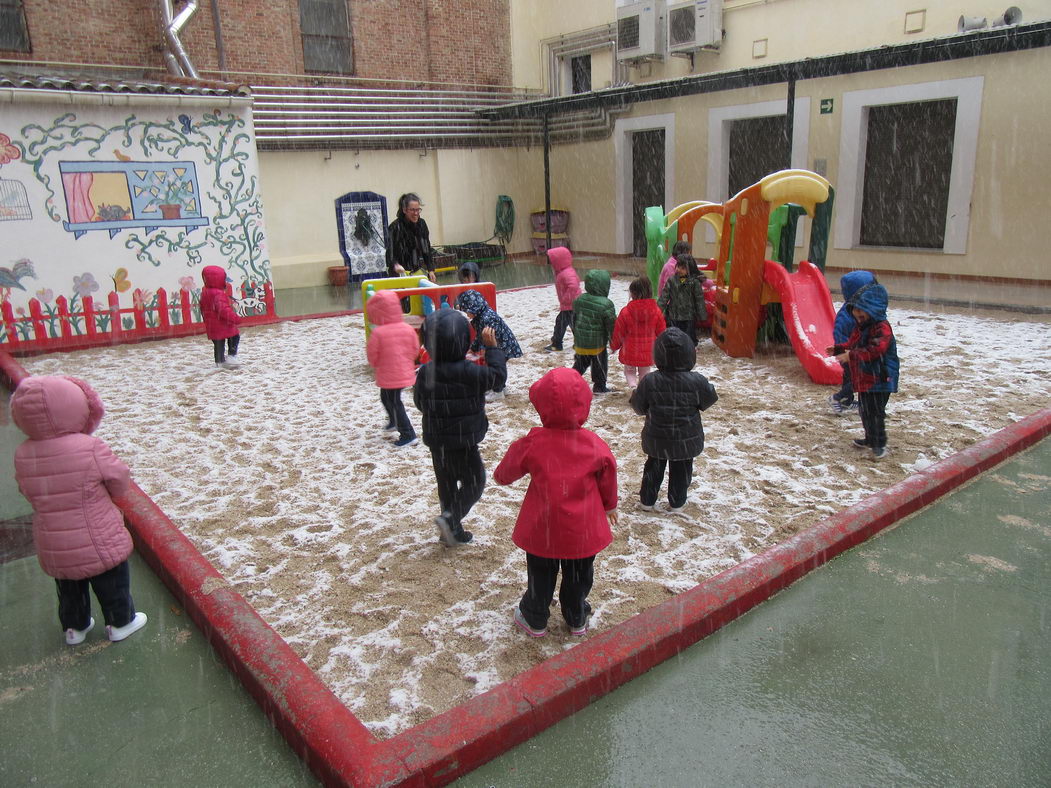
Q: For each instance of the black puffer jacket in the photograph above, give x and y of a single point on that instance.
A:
(450, 391)
(409, 245)
(672, 398)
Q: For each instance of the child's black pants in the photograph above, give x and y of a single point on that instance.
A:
(230, 343)
(578, 575)
(396, 415)
(872, 406)
(599, 364)
(562, 322)
(112, 589)
(461, 478)
(679, 477)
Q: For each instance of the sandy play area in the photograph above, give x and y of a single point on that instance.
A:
(281, 475)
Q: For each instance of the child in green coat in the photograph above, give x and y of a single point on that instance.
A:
(593, 319)
(682, 301)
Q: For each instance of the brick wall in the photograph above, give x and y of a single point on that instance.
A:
(427, 40)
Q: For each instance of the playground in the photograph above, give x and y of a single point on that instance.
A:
(327, 530)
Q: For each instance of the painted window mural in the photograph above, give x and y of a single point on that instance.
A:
(104, 196)
(108, 217)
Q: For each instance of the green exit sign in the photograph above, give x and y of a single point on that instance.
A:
(826, 106)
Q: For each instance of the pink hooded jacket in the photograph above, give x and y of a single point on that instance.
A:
(567, 283)
(68, 476)
(393, 346)
(220, 319)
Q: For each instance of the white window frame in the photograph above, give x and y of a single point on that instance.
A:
(854, 141)
(624, 181)
(720, 121)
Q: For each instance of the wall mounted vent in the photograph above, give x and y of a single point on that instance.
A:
(694, 25)
(641, 31)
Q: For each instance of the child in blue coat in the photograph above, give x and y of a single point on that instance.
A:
(871, 353)
(843, 400)
(473, 304)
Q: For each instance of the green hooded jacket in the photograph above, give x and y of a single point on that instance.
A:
(593, 314)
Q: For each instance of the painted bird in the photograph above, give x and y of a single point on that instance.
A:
(23, 268)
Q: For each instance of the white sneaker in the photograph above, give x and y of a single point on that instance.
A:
(119, 633)
(493, 396)
(676, 509)
(232, 362)
(76, 636)
(648, 507)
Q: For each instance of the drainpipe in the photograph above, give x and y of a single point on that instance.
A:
(217, 25)
(547, 178)
(175, 56)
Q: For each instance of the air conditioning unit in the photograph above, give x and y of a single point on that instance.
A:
(640, 31)
(694, 25)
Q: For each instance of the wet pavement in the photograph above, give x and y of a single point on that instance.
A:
(921, 657)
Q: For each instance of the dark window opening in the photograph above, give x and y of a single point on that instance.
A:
(758, 147)
(14, 33)
(908, 164)
(580, 67)
(327, 44)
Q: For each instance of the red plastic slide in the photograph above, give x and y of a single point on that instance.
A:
(809, 315)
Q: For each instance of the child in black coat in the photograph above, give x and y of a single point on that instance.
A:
(671, 398)
(450, 394)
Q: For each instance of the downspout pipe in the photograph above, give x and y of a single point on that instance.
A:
(176, 58)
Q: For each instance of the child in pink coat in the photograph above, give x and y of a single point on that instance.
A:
(567, 287)
(392, 350)
(220, 319)
(68, 477)
(560, 529)
(638, 325)
(668, 271)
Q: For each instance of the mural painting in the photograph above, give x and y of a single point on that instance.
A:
(107, 218)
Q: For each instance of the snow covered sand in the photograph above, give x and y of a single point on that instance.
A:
(280, 474)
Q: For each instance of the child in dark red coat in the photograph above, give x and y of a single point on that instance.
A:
(220, 319)
(569, 506)
(638, 324)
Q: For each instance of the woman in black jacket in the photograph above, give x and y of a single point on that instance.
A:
(409, 240)
(671, 398)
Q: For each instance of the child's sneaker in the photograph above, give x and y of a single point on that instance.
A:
(445, 529)
(119, 633)
(603, 390)
(494, 396)
(879, 452)
(408, 440)
(676, 509)
(861, 443)
(232, 362)
(836, 406)
(463, 537)
(648, 507)
(553, 349)
(583, 628)
(523, 625)
(391, 427)
(75, 637)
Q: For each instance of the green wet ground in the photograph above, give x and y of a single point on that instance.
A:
(922, 657)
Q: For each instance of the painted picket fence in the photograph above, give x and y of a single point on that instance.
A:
(62, 326)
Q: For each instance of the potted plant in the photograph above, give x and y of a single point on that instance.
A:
(176, 195)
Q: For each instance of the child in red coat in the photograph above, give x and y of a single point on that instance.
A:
(569, 506)
(637, 326)
(220, 319)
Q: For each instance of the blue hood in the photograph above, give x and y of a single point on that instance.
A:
(874, 301)
(854, 281)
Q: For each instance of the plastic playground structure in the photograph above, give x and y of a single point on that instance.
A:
(746, 282)
(424, 296)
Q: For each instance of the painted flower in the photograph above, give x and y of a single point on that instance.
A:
(142, 298)
(8, 152)
(85, 285)
(45, 295)
(193, 256)
(121, 283)
(187, 282)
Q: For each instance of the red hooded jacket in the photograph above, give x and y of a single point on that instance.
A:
(567, 283)
(220, 319)
(573, 474)
(638, 325)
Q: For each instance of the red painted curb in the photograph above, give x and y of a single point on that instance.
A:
(341, 751)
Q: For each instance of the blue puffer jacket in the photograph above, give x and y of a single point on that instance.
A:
(873, 350)
(474, 303)
(849, 284)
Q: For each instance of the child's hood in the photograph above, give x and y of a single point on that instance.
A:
(473, 302)
(674, 352)
(48, 406)
(561, 258)
(471, 268)
(873, 300)
(446, 335)
(383, 307)
(596, 282)
(214, 276)
(854, 281)
(562, 399)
